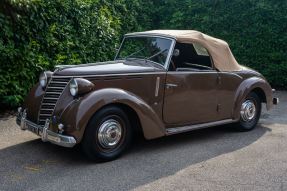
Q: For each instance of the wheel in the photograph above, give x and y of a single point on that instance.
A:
(249, 113)
(107, 135)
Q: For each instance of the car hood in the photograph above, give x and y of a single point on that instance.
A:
(111, 67)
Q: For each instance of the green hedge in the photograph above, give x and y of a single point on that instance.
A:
(256, 30)
(39, 34)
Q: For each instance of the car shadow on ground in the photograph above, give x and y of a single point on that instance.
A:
(26, 165)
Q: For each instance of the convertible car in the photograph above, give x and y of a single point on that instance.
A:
(161, 83)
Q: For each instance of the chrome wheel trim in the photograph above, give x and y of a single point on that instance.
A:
(110, 133)
(248, 110)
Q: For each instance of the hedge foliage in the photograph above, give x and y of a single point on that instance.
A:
(39, 34)
(256, 30)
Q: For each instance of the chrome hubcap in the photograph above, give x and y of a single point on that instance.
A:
(248, 110)
(110, 133)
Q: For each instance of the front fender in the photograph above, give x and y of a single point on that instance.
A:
(78, 114)
(32, 102)
(246, 87)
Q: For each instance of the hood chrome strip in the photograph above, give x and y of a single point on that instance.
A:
(157, 86)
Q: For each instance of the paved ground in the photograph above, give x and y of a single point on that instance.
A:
(210, 159)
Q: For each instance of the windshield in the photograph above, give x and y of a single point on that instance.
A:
(155, 49)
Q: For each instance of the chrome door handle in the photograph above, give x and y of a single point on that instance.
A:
(171, 85)
(219, 80)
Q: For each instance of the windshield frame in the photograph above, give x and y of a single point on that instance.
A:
(170, 51)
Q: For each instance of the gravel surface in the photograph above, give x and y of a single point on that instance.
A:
(209, 159)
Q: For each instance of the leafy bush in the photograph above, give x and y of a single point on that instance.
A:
(255, 30)
(39, 34)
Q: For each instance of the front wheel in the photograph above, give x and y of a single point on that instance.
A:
(250, 112)
(107, 135)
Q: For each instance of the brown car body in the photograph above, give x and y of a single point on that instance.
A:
(162, 102)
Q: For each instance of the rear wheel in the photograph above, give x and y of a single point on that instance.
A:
(249, 113)
(107, 135)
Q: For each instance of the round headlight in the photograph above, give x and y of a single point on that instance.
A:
(73, 87)
(43, 79)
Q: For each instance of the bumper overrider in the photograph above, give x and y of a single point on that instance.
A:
(43, 131)
(275, 101)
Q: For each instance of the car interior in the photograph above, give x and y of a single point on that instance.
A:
(190, 57)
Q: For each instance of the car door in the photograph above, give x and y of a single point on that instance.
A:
(190, 97)
(227, 87)
(191, 88)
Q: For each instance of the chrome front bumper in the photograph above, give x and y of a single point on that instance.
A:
(43, 131)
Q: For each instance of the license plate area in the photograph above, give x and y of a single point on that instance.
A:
(32, 128)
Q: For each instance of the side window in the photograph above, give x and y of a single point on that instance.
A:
(190, 57)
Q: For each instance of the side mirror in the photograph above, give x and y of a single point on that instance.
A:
(176, 52)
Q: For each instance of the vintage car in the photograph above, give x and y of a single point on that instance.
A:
(161, 83)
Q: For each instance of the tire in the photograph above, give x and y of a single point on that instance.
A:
(247, 122)
(107, 135)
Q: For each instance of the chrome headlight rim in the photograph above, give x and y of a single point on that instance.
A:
(43, 79)
(73, 87)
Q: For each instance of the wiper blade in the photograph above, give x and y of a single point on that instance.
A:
(156, 54)
(134, 53)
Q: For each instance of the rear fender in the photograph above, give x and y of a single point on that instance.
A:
(246, 87)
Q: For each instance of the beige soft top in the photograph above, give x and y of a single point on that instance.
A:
(219, 50)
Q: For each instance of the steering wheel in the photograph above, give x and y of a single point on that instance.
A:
(173, 65)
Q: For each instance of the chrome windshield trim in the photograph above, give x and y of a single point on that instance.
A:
(166, 64)
(117, 53)
(150, 35)
(169, 55)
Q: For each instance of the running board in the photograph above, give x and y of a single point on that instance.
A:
(176, 130)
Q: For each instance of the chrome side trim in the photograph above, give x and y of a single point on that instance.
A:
(176, 130)
(60, 67)
(157, 86)
(112, 75)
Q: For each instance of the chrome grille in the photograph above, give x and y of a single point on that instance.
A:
(53, 92)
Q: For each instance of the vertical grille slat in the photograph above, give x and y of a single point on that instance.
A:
(53, 92)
